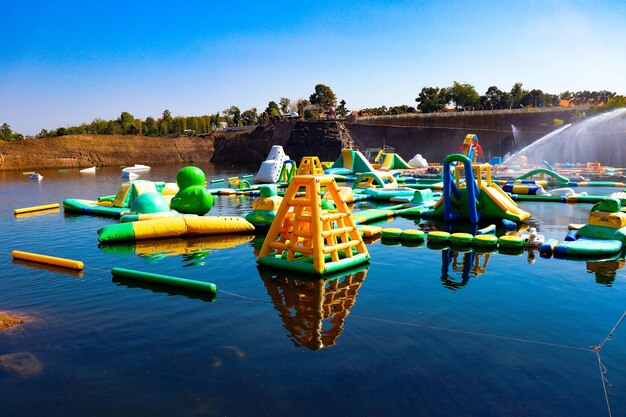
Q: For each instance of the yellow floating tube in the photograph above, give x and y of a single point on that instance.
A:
(50, 260)
(35, 208)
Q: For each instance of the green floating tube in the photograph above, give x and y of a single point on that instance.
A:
(509, 241)
(461, 238)
(243, 177)
(412, 235)
(391, 233)
(485, 240)
(187, 284)
(438, 236)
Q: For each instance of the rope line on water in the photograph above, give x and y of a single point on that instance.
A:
(610, 335)
(602, 369)
(470, 333)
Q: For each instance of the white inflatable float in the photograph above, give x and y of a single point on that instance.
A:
(269, 172)
(418, 161)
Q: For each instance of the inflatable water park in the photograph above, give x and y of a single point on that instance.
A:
(318, 218)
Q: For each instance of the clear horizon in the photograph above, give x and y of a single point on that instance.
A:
(65, 64)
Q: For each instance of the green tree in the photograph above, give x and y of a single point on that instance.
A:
(301, 104)
(150, 127)
(8, 135)
(432, 99)
(517, 95)
(323, 97)
(311, 114)
(464, 96)
(234, 115)
(126, 122)
(249, 117)
(112, 128)
(98, 126)
(495, 98)
(284, 104)
(342, 111)
(272, 111)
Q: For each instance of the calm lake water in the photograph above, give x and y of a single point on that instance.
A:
(417, 332)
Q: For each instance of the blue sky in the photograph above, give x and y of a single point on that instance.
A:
(67, 62)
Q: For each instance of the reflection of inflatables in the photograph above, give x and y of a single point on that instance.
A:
(313, 311)
(191, 249)
(174, 227)
(308, 240)
(469, 267)
(193, 197)
(605, 271)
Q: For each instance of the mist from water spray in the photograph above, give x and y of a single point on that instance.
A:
(598, 138)
(515, 134)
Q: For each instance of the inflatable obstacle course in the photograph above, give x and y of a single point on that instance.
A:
(603, 235)
(351, 162)
(304, 238)
(475, 198)
(271, 169)
(264, 208)
(192, 197)
(310, 165)
(391, 161)
(173, 227)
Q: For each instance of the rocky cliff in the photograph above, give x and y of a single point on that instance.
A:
(299, 138)
(101, 150)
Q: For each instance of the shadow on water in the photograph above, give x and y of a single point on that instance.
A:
(49, 268)
(313, 309)
(163, 289)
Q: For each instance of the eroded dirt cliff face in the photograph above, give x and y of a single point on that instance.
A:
(324, 139)
(81, 151)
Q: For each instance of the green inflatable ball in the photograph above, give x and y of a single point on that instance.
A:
(190, 176)
(149, 203)
(193, 200)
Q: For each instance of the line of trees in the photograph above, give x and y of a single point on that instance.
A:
(464, 97)
(323, 103)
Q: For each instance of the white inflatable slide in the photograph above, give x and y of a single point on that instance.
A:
(270, 168)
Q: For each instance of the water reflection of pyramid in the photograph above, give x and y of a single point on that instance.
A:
(313, 310)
